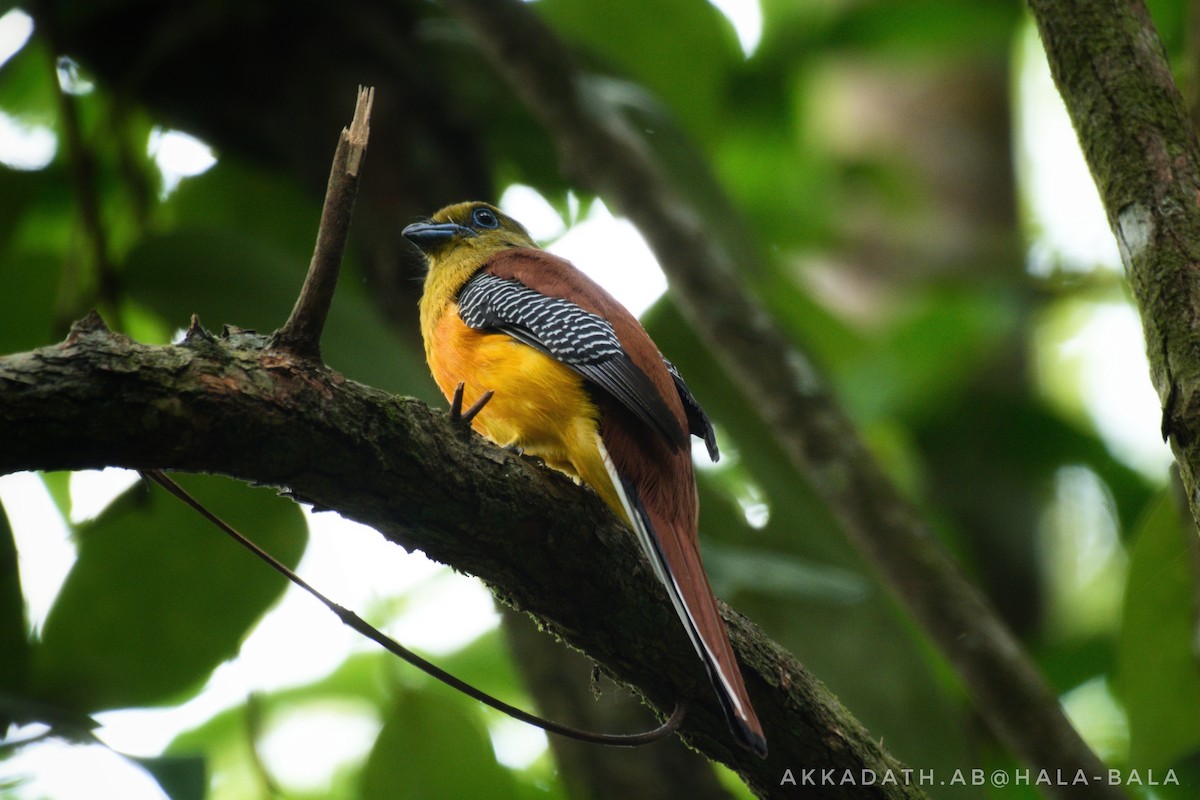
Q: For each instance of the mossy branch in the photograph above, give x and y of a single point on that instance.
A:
(1133, 125)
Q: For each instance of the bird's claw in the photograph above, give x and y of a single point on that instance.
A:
(456, 410)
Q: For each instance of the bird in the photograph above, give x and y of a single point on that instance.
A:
(555, 367)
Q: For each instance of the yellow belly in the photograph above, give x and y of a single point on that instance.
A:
(540, 406)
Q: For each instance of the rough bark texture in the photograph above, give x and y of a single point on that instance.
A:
(233, 406)
(301, 334)
(1140, 145)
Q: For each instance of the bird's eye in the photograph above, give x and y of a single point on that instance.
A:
(484, 218)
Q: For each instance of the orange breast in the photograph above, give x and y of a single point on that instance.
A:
(540, 406)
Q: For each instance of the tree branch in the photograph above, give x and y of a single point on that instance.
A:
(301, 334)
(1140, 145)
(232, 405)
(602, 151)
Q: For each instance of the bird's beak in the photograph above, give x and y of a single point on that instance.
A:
(426, 235)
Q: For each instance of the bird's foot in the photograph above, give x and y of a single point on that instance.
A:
(456, 410)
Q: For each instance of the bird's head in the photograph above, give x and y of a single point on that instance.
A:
(468, 231)
(456, 243)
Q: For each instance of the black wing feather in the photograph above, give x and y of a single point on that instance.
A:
(698, 422)
(577, 338)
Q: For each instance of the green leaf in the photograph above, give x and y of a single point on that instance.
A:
(28, 86)
(159, 597)
(14, 636)
(58, 484)
(408, 761)
(181, 778)
(1157, 675)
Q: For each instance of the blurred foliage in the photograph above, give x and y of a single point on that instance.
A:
(859, 166)
(1159, 630)
(122, 633)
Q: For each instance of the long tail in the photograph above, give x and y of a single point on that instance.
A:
(675, 557)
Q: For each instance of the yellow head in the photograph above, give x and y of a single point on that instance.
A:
(472, 227)
(456, 242)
